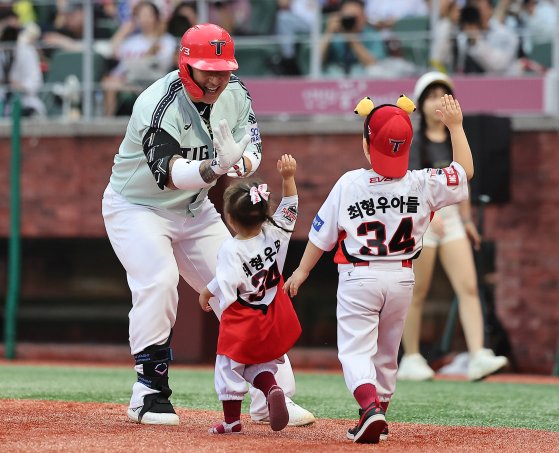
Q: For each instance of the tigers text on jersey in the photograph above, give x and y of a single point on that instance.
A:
(165, 105)
(251, 268)
(373, 217)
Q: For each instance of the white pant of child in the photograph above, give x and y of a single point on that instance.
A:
(372, 305)
(155, 246)
(231, 377)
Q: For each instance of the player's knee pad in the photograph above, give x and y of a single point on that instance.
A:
(155, 361)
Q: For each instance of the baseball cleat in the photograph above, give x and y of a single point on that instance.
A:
(484, 363)
(384, 434)
(298, 416)
(414, 367)
(226, 428)
(371, 425)
(157, 410)
(279, 416)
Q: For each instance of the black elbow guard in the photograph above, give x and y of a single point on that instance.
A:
(159, 147)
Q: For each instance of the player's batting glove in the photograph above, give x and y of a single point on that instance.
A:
(238, 170)
(227, 150)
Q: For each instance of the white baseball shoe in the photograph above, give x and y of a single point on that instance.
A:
(297, 415)
(159, 412)
(484, 363)
(414, 367)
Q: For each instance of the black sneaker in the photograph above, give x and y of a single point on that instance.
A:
(157, 410)
(370, 426)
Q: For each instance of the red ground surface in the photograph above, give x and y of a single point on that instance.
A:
(46, 426)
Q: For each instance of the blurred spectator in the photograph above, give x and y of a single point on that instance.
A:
(349, 45)
(67, 32)
(293, 17)
(25, 11)
(394, 65)
(539, 21)
(144, 52)
(485, 45)
(183, 17)
(233, 15)
(444, 35)
(20, 68)
(385, 13)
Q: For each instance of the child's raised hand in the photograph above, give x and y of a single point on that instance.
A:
(450, 112)
(287, 165)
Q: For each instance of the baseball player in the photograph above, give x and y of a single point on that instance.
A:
(258, 322)
(186, 130)
(377, 218)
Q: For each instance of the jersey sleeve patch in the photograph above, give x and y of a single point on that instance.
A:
(253, 131)
(451, 174)
(317, 223)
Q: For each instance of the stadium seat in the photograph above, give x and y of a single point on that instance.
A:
(63, 64)
(415, 46)
(263, 17)
(542, 54)
(254, 61)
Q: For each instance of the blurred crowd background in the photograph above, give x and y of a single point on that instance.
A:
(134, 42)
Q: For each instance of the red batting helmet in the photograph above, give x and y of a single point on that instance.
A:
(207, 47)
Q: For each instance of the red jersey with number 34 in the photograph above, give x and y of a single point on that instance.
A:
(372, 217)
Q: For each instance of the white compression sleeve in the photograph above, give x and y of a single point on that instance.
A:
(186, 175)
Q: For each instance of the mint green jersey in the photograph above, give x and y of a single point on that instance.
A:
(165, 105)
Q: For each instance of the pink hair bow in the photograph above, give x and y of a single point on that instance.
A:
(257, 193)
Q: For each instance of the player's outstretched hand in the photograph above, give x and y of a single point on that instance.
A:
(450, 112)
(287, 165)
(293, 283)
(227, 150)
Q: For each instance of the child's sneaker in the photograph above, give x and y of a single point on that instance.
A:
(226, 428)
(279, 415)
(384, 434)
(370, 426)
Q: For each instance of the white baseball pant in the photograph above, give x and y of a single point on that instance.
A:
(231, 377)
(372, 305)
(155, 246)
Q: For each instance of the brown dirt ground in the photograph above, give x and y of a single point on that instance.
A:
(47, 426)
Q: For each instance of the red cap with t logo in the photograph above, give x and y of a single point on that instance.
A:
(390, 134)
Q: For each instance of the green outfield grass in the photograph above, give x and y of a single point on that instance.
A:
(455, 403)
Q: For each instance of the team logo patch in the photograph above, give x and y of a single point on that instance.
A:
(317, 223)
(185, 50)
(451, 176)
(254, 132)
(289, 213)
(218, 46)
(396, 144)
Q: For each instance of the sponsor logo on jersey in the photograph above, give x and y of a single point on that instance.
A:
(451, 176)
(376, 179)
(187, 126)
(317, 223)
(254, 132)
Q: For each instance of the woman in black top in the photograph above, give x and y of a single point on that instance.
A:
(449, 236)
